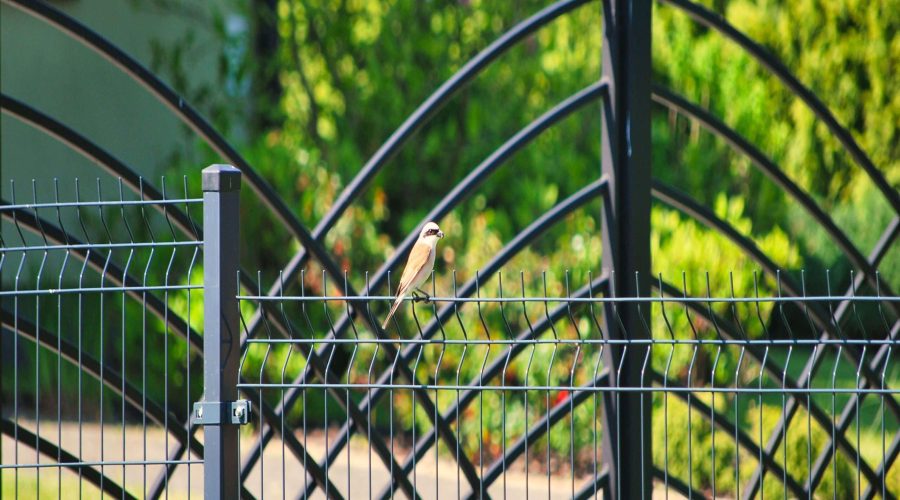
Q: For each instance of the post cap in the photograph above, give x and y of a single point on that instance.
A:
(221, 178)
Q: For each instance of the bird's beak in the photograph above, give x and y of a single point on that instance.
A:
(440, 234)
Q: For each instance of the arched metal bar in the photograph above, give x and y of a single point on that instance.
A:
(678, 485)
(534, 230)
(494, 369)
(824, 458)
(556, 413)
(419, 118)
(116, 168)
(875, 257)
(110, 378)
(688, 206)
(90, 150)
(890, 456)
(459, 193)
(188, 115)
(712, 20)
(675, 102)
(590, 489)
(744, 440)
(730, 331)
(114, 274)
(46, 448)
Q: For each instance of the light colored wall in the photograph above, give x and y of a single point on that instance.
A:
(62, 78)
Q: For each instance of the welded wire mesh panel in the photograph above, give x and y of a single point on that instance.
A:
(100, 298)
(509, 391)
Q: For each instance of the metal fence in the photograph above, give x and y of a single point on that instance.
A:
(622, 385)
(485, 390)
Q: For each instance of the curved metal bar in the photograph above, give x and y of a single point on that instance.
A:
(110, 378)
(534, 230)
(678, 485)
(890, 456)
(540, 427)
(114, 274)
(590, 489)
(459, 193)
(187, 114)
(436, 100)
(744, 440)
(688, 206)
(46, 448)
(419, 118)
(675, 102)
(491, 371)
(875, 257)
(90, 150)
(712, 20)
(730, 331)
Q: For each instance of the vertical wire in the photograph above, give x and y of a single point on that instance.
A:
(262, 366)
(762, 468)
(437, 369)
(526, 378)
(737, 394)
(549, 371)
(837, 361)
(87, 258)
(809, 464)
(787, 364)
(596, 371)
(458, 369)
(37, 345)
(349, 370)
(369, 383)
(509, 335)
(144, 337)
(887, 359)
(287, 359)
(124, 328)
(312, 351)
(712, 410)
(59, 344)
(187, 350)
(16, 342)
(665, 391)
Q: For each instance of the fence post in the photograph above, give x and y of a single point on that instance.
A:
(626, 241)
(220, 413)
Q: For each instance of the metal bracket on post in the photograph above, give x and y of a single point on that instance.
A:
(222, 413)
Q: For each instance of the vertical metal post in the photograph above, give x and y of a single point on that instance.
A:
(221, 334)
(626, 240)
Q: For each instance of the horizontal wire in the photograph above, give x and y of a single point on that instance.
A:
(436, 341)
(100, 464)
(153, 244)
(518, 300)
(112, 289)
(113, 203)
(573, 388)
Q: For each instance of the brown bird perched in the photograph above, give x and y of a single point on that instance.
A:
(418, 266)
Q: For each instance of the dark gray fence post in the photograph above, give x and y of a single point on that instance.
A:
(626, 241)
(220, 413)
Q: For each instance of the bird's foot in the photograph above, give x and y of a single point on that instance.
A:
(424, 297)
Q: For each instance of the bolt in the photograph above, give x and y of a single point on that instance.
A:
(200, 412)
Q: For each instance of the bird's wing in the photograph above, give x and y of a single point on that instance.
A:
(418, 257)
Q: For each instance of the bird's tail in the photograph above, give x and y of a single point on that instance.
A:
(393, 310)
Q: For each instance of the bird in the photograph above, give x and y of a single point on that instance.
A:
(418, 266)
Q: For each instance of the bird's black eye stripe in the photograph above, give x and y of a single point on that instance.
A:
(431, 232)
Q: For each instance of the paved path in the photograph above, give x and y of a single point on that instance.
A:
(279, 474)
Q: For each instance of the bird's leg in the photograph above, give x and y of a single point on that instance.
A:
(427, 297)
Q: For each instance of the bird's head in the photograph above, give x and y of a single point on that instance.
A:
(431, 233)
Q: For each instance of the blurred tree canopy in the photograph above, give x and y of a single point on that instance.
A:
(345, 74)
